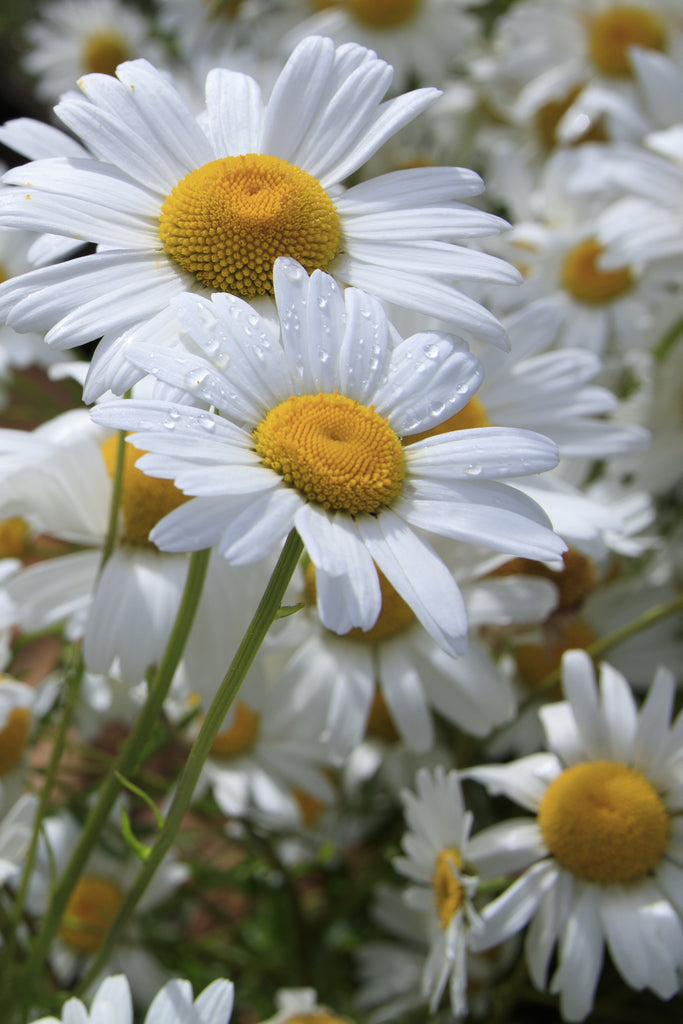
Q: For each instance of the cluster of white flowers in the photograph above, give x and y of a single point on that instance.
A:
(327, 478)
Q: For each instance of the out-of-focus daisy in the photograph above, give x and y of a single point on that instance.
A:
(70, 38)
(59, 478)
(309, 437)
(173, 1004)
(94, 903)
(418, 37)
(435, 857)
(16, 829)
(601, 861)
(16, 720)
(604, 309)
(178, 203)
(270, 750)
(546, 52)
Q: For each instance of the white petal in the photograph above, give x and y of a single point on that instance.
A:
(511, 911)
(420, 577)
(405, 698)
(581, 955)
(235, 112)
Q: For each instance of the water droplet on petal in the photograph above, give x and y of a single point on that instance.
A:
(207, 422)
(193, 378)
(431, 350)
(473, 469)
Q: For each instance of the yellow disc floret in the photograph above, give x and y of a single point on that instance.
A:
(240, 736)
(317, 1016)
(14, 534)
(383, 13)
(13, 737)
(604, 822)
(228, 221)
(144, 499)
(92, 907)
(613, 32)
(336, 452)
(103, 52)
(448, 890)
(586, 281)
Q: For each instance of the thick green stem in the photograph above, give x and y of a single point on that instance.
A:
(127, 763)
(263, 618)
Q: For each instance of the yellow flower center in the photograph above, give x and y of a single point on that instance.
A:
(4, 273)
(604, 822)
(448, 890)
(92, 907)
(535, 661)
(586, 282)
(336, 452)
(472, 415)
(574, 581)
(228, 222)
(144, 499)
(548, 117)
(13, 738)
(239, 737)
(612, 33)
(223, 8)
(103, 52)
(13, 536)
(382, 13)
(380, 723)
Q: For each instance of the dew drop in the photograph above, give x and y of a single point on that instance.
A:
(431, 351)
(221, 360)
(474, 469)
(208, 423)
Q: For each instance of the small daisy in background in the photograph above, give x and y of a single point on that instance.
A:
(184, 204)
(601, 862)
(173, 1004)
(71, 38)
(309, 437)
(435, 857)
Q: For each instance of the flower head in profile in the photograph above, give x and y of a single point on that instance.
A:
(309, 437)
(602, 859)
(178, 203)
(435, 849)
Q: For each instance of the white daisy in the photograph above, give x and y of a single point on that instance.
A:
(173, 1004)
(59, 478)
(601, 861)
(95, 901)
(436, 852)
(417, 37)
(309, 438)
(152, 197)
(70, 38)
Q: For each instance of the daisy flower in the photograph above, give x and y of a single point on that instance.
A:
(95, 901)
(413, 35)
(435, 852)
(178, 203)
(309, 437)
(301, 1006)
(601, 861)
(59, 478)
(547, 52)
(173, 1004)
(70, 38)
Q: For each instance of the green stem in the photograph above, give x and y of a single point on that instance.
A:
(73, 679)
(127, 763)
(264, 617)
